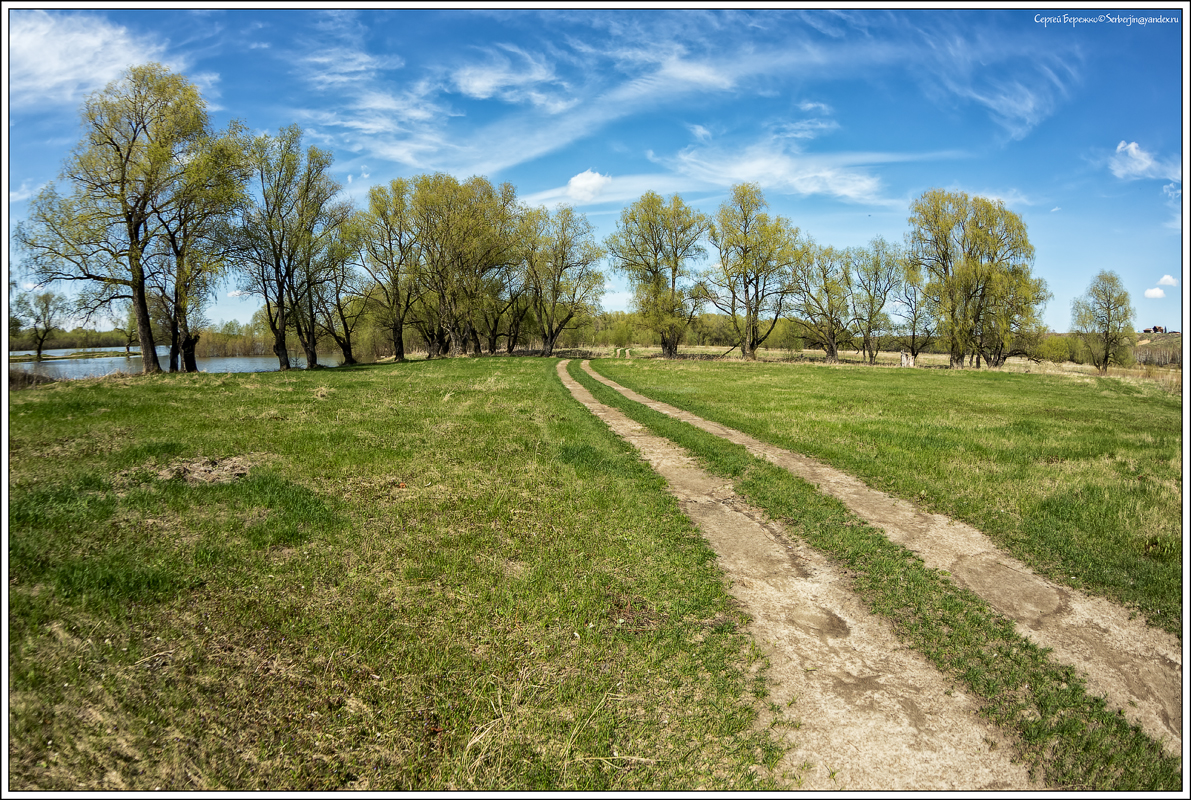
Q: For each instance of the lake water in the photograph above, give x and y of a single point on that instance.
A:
(94, 367)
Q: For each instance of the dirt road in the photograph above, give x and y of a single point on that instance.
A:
(872, 714)
(1136, 667)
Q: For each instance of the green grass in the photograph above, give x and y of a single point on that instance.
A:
(434, 575)
(1070, 737)
(1079, 477)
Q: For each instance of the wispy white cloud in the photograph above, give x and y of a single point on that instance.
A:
(617, 301)
(513, 75)
(27, 189)
(60, 58)
(1168, 280)
(1019, 78)
(1010, 197)
(1174, 199)
(340, 67)
(771, 166)
(1130, 162)
(699, 132)
(238, 293)
(1056, 208)
(1155, 293)
(807, 128)
(618, 189)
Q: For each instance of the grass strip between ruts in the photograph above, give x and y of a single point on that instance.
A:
(1073, 738)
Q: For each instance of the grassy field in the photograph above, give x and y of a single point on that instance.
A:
(1070, 738)
(1168, 378)
(418, 576)
(1081, 478)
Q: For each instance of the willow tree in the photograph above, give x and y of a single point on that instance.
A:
(654, 246)
(194, 241)
(130, 161)
(875, 273)
(976, 258)
(389, 253)
(820, 285)
(751, 283)
(283, 233)
(561, 275)
(43, 312)
(466, 231)
(1103, 319)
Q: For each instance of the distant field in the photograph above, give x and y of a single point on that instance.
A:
(1078, 476)
(1167, 377)
(431, 575)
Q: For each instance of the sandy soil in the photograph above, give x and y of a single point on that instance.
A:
(872, 714)
(1136, 667)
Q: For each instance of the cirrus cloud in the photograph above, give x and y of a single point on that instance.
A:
(60, 58)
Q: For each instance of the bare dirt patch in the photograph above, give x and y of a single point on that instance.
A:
(195, 470)
(1136, 667)
(872, 714)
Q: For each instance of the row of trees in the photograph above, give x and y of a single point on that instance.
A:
(962, 277)
(162, 209)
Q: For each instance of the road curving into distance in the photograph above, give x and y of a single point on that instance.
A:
(872, 714)
(1136, 667)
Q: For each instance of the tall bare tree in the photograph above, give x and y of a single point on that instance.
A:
(820, 299)
(875, 272)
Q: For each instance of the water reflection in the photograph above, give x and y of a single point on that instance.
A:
(119, 362)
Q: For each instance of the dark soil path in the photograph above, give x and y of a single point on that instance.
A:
(1138, 668)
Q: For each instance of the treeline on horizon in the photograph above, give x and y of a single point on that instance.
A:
(159, 211)
(607, 329)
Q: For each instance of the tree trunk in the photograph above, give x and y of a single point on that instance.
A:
(398, 342)
(189, 364)
(669, 345)
(279, 349)
(144, 328)
(514, 333)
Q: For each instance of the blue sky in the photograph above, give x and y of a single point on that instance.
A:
(843, 116)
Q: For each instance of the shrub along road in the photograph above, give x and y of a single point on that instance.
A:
(1138, 668)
